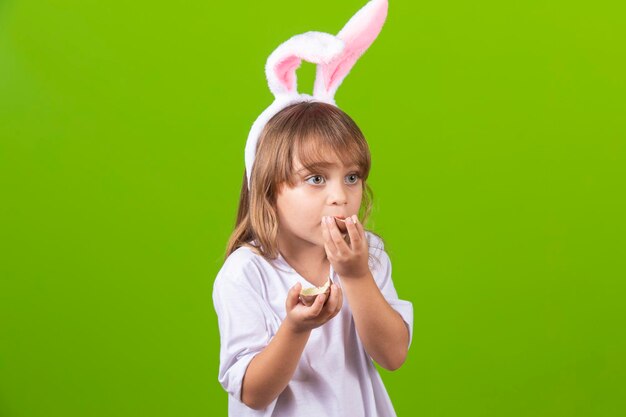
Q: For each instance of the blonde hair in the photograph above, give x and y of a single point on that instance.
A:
(306, 130)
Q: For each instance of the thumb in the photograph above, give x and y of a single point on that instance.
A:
(293, 296)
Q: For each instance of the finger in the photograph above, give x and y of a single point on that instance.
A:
(339, 298)
(331, 305)
(317, 306)
(336, 308)
(361, 230)
(325, 232)
(293, 296)
(329, 253)
(353, 231)
(339, 304)
(336, 237)
(329, 240)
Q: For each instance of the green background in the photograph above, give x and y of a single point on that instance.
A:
(498, 146)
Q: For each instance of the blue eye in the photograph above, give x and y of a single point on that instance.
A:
(355, 176)
(314, 176)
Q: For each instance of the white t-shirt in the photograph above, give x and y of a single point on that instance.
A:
(335, 376)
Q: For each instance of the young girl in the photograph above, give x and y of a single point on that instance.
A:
(303, 203)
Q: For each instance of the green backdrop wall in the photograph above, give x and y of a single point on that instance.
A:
(498, 142)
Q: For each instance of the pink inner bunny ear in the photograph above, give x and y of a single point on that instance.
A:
(358, 34)
(315, 47)
(286, 72)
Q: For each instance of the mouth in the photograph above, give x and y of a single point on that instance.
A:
(341, 224)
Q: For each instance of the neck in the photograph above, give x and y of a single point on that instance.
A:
(309, 260)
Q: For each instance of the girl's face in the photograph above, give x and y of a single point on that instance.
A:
(332, 189)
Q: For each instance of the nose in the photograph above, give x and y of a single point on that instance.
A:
(337, 193)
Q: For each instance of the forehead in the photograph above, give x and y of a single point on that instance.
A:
(321, 154)
(325, 165)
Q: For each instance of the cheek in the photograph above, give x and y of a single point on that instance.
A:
(358, 198)
(298, 211)
(281, 207)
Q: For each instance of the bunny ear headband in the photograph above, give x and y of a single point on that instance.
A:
(334, 56)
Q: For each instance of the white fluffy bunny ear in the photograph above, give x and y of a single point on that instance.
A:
(315, 47)
(358, 34)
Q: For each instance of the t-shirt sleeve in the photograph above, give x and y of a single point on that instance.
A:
(381, 269)
(244, 331)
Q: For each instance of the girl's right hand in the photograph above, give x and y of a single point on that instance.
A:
(301, 318)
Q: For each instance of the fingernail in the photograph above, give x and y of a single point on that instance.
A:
(349, 220)
(355, 218)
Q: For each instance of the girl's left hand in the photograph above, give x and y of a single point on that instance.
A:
(348, 260)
